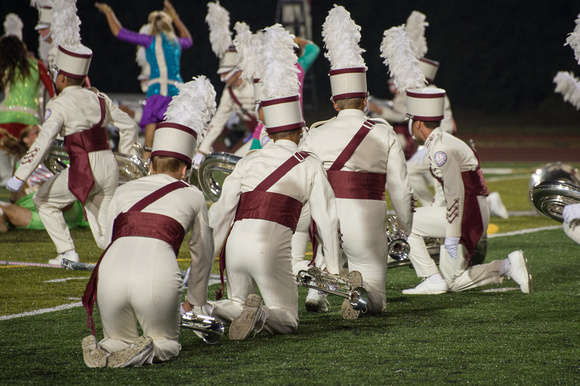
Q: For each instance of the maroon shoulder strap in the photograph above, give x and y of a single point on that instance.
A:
(296, 158)
(103, 105)
(156, 195)
(352, 145)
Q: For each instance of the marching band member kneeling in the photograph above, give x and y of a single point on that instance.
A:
(138, 275)
(263, 198)
(464, 216)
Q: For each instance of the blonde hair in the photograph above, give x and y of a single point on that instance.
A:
(161, 22)
(12, 145)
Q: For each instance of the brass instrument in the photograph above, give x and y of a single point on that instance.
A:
(315, 278)
(553, 187)
(397, 241)
(207, 327)
(214, 168)
(130, 167)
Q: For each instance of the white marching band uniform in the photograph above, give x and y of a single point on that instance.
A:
(139, 278)
(362, 221)
(75, 110)
(571, 225)
(244, 109)
(258, 251)
(449, 157)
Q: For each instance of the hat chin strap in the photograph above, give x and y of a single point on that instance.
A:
(48, 35)
(230, 74)
(411, 127)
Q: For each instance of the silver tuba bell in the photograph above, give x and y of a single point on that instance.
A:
(315, 278)
(207, 327)
(553, 187)
(212, 171)
(130, 167)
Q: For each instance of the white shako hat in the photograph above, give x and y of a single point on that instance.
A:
(72, 59)
(426, 104)
(279, 78)
(44, 13)
(347, 67)
(220, 37)
(186, 120)
(13, 26)
(249, 48)
(429, 68)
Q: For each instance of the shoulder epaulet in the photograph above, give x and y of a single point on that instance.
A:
(320, 123)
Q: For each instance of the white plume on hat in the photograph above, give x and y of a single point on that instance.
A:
(218, 20)
(249, 47)
(279, 75)
(65, 26)
(569, 86)
(415, 28)
(13, 25)
(573, 40)
(400, 56)
(341, 37)
(193, 106)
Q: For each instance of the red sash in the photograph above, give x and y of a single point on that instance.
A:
(356, 185)
(260, 204)
(136, 223)
(78, 146)
(250, 121)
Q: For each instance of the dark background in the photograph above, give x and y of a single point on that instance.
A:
(498, 57)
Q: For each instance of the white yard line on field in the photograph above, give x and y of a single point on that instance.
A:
(525, 231)
(213, 279)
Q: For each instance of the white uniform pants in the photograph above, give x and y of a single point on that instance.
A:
(258, 254)
(139, 282)
(431, 222)
(54, 195)
(364, 244)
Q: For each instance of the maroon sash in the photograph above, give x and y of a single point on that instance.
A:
(356, 185)
(260, 204)
(471, 222)
(136, 223)
(78, 146)
(250, 121)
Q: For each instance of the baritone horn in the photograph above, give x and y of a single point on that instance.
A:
(397, 241)
(130, 167)
(211, 173)
(553, 187)
(315, 278)
(207, 327)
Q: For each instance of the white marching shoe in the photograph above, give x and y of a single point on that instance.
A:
(251, 319)
(316, 301)
(429, 286)
(520, 271)
(69, 255)
(138, 353)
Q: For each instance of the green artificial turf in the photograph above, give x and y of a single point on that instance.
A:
(489, 335)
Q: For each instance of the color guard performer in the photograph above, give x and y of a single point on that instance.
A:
(362, 157)
(81, 116)
(263, 198)
(138, 275)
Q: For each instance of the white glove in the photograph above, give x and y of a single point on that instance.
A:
(14, 184)
(186, 277)
(570, 213)
(451, 245)
(206, 309)
(198, 159)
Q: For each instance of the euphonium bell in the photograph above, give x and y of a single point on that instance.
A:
(207, 327)
(315, 278)
(397, 241)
